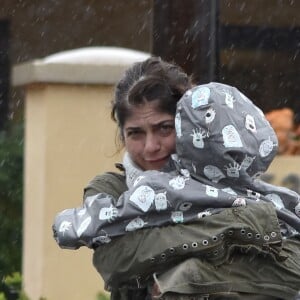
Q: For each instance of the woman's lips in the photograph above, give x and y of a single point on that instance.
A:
(157, 160)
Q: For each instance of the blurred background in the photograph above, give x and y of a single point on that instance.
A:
(251, 44)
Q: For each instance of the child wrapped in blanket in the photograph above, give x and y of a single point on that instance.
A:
(223, 144)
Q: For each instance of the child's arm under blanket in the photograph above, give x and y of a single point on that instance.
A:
(76, 227)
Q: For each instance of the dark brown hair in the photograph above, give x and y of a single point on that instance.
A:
(152, 79)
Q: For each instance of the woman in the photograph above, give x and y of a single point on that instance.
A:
(147, 132)
(144, 108)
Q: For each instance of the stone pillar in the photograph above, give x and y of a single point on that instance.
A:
(69, 138)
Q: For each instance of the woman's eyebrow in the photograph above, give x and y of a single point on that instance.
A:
(152, 125)
(166, 122)
(133, 128)
(163, 122)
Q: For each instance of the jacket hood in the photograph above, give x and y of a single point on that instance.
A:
(222, 136)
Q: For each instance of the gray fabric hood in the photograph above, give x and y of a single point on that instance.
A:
(222, 135)
(224, 140)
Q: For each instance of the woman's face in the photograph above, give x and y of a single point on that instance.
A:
(149, 136)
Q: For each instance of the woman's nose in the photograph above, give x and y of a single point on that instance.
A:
(152, 143)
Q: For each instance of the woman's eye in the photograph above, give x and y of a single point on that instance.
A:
(134, 134)
(166, 129)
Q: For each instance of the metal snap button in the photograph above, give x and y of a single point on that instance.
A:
(266, 238)
(273, 234)
(257, 235)
(214, 238)
(185, 246)
(194, 244)
(249, 235)
(205, 242)
(243, 231)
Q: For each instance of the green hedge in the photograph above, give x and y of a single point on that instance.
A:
(11, 202)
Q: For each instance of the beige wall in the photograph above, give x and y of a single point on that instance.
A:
(283, 166)
(69, 139)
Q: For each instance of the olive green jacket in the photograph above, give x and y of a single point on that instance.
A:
(238, 250)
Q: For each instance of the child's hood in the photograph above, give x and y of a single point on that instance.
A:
(222, 136)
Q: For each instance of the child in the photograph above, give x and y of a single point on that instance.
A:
(223, 144)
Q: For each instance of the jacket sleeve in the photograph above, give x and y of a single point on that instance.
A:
(137, 255)
(110, 183)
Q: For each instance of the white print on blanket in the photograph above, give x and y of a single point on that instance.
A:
(178, 125)
(239, 202)
(103, 238)
(250, 123)
(198, 137)
(297, 210)
(247, 162)
(138, 180)
(83, 226)
(229, 190)
(233, 170)
(64, 226)
(143, 197)
(81, 212)
(178, 182)
(108, 213)
(211, 191)
(213, 173)
(161, 201)
(254, 195)
(200, 97)
(210, 115)
(266, 147)
(185, 173)
(231, 137)
(135, 224)
(177, 216)
(276, 200)
(229, 100)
